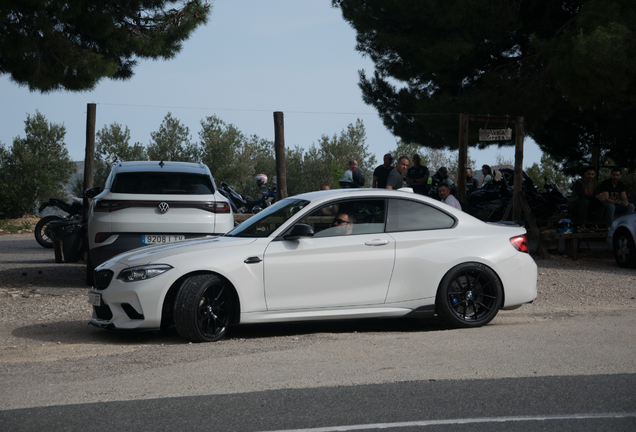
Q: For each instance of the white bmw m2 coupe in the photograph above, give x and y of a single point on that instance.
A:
(339, 254)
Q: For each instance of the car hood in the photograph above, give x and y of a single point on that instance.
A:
(149, 254)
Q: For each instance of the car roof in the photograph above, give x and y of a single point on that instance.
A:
(361, 192)
(161, 166)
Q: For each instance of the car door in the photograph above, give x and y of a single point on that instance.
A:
(332, 269)
(425, 243)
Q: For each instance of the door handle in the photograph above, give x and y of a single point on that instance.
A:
(377, 242)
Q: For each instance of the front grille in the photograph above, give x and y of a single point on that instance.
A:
(102, 279)
(103, 312)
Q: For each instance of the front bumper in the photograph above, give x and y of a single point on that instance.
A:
(131, 305)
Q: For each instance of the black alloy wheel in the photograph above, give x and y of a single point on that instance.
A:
(624, 248)
(203, 308)
(470, 295)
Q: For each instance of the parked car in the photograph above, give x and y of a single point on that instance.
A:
(147, 203)
(622, 238)
(382, 253)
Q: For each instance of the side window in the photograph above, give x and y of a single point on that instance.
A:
(405, 215)
(349, 217)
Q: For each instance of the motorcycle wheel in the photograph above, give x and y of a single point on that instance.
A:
(43, 231)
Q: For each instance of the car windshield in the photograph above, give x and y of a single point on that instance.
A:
(269, 220)
(157, 183)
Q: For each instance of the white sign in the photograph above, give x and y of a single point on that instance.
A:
(495, 134)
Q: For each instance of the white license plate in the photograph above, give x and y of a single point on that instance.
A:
(149, 239)
(95, 299)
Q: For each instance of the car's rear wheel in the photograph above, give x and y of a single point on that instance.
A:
(43, 231)
(203, 308)
(470, 295)
(624, 248)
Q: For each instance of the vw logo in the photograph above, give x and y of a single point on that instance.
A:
(163, 207)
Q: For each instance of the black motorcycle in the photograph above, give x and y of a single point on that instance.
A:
(489, 203)
(240, 203)
(43, 227)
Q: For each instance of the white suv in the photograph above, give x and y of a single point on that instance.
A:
(146, 203)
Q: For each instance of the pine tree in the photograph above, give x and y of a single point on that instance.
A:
(73, 44)
(567, 66)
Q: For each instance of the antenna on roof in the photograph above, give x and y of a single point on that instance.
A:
(161, 164)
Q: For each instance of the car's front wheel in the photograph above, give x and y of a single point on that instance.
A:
(624, 249)
(470, 295)
(203, 308)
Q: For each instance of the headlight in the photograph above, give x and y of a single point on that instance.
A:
(143, 273)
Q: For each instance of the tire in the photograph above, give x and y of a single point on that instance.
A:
(624, 249)
(203, 308)
(470, 295)
(43, 231)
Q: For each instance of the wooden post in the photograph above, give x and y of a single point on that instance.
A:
(89, 153)
(89, 166)
(518, 177)
(596, 149)
(462, 158)
(279, 151)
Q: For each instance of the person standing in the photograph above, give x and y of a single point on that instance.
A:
(381, 173)
(584, 204)
(487, 172)
(471, 182)
(441, 177)
(395, 180)
(614, 197)
(417, 176)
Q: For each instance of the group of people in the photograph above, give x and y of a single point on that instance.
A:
(593, 205)
(420, 180)
(386, 176)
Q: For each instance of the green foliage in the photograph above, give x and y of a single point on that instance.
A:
(234, 158)
(172, 142)
(230, 156)
(112, 143)
(549, 171)
(72, 45)
(35, 168)
(567, 66)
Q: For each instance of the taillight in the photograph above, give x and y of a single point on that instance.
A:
(520, 243)
(216, 207)
(107, 206)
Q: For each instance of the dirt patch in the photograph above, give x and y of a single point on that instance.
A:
(23, 225)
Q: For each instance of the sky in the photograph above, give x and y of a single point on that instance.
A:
(254, 57)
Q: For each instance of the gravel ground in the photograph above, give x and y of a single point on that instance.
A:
(44, 312)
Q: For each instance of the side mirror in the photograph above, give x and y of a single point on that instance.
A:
(92, 192)
(298, 231)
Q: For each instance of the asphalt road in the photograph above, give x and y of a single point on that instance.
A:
(576, 403)
(529, 370)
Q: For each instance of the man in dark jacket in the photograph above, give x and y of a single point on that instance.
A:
(381, 173)
(417, 176)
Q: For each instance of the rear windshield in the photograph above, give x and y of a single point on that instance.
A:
(158, 183)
